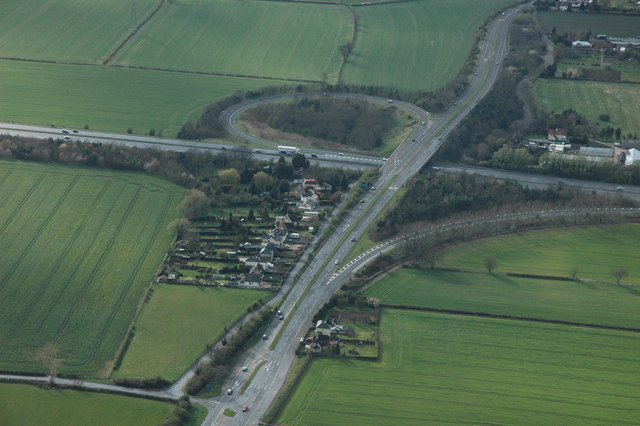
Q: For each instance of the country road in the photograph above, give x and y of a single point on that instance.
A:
(315, 286)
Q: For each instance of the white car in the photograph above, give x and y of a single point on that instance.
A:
(337, 262)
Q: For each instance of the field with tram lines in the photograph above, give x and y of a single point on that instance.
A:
(79, 248)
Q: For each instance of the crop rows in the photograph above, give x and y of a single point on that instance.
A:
(80, 250)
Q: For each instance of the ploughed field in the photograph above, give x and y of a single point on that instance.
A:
(457, 369)
(79, 247)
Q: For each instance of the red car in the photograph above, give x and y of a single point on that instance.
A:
(245, 408)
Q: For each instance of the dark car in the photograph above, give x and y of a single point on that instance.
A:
(314, 155)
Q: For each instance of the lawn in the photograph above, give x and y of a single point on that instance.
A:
(593, 250)
(250, 38)
(452, 369)
(580, 23)
(415, 45)
(29, 405)
(84, 31)
(591, 99)
(108, 98)
(176, 325)
(605, 304)
(79, 248)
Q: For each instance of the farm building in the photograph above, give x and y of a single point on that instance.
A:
(596, 154)
(632, 157)
(557, 135)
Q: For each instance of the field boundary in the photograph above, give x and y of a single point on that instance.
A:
(508, 317)
(133, 32)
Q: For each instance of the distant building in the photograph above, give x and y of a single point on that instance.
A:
(557, 135)
(322, 328)
(579, 44)
(596, 154)
(632, 157)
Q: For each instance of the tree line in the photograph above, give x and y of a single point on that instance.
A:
(431, 197)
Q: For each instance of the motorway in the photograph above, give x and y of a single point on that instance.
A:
(324, 158)
(404, 163)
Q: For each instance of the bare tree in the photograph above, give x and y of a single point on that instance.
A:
(490, 263)
(619, 273)
(574, 274)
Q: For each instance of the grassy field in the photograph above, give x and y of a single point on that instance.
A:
(594, 251)
(605, 304)
(176, 325)
(29, 405)
(611, 25)
(450, 369)
(281, 40)
(415, 45)
(592, 98)
(79, 247)
(68, 31)
(108, 98)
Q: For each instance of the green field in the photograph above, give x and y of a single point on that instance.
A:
(463, 370)
(415, 45)
(29, 405)
(176, 325)
(67, 31)
(595, 303)
(591, 99)
(254, 38)
(593, 250)
(79, 246)
(580, 23)
(108, 98)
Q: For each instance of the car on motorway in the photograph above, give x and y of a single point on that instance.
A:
(475, 73)
(66, 138)
(244, 369)
(224, 147)
(424, 122)
(390, 101)
(258, 151)
(265, 337)
(229, 391)
(353, 239)
(245, 408)
(619, 188)
(65, 131)
(439, 138)
(361, 201)
(337, 262)
(413, 139)
(314, 155)
(75, 131)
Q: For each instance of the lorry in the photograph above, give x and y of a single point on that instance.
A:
(288, 150)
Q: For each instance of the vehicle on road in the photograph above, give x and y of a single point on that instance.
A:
(258, 151)
(337, 262)
(314, 155)
(361, 201)
(424, 122)
(65, 131)
(229, 391)
(75, 131)
(390, 101)
(619, 188)
(265, 337)
(413, 139)
(66, 138)
(288, 150)
(245, 408)
(341, 154)
(353, 239)
(244, 369)
(224, 147)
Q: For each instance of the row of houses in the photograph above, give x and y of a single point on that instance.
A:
(307, 202)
